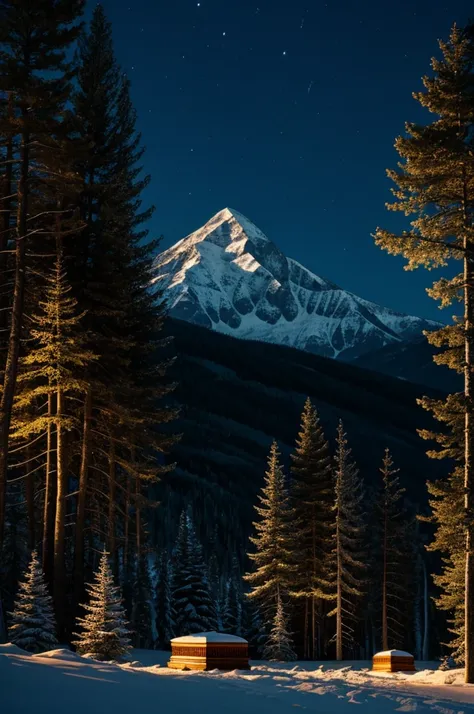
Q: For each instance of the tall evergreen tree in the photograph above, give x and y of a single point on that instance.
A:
(435, 184)
(35, 74)
(52, 370)
(348, 553)
(312, 502)
(191, 593)
(32, 621)
(272, 577)
(392, 532)
(104, 630)
(111, 275)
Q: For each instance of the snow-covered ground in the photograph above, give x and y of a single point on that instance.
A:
(61, 682)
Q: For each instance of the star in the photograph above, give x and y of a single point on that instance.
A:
(223, 34)
(284, 53)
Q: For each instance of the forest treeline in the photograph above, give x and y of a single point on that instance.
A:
(83, 384)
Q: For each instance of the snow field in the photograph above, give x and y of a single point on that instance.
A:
(61, 682)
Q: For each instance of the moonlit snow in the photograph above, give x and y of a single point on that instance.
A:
(61, 682)
(228, 276)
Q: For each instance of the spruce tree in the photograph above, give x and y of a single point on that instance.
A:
(32, 624)
(191, 593)
(434, 183)
(279, 644)
(312, 502)
(348, 552)
(104, 630)
(392, 525)
(272, 578)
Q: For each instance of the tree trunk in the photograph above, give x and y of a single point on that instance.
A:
(339, 598)
(306, 630)
(13, 352)
(112, 496)
(59, 585)
(384, 586)
(49, 502)
(5, 233)
(138, 517)
(81, 500)
(126, 524)
(468, 461)
(30, 499)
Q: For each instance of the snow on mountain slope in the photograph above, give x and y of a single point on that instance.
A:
(230, 277)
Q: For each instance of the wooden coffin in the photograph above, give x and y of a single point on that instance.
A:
(209, 650)
(393, 661)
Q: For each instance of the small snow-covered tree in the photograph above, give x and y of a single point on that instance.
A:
(32, 620)
(104, 630)
(273, 542)
(164, 606)
(279, 644)
(348, 552)
(193, 603)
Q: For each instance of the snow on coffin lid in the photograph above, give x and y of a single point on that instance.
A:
(393, 661)
(209, 650)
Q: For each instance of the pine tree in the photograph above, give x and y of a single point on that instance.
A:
(434, 183)
(164, 605)
(35, 75)
(32, 621)
(191, 593)
(279, 645)
(312, 502)
(111, 275)
(104, 630)
(447, 506)
(273, 555)
(52, 370)
(392, 529)
(348, 553)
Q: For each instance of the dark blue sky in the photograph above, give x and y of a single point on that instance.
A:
(285, 110)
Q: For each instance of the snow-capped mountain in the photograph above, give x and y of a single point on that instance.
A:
(230, 277)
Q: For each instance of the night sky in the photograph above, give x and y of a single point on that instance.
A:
(285, 110)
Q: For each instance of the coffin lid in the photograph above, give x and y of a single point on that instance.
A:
(201, 638)
(393, 653)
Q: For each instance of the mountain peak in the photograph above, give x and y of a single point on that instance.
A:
(236, 220)
(231, 278)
